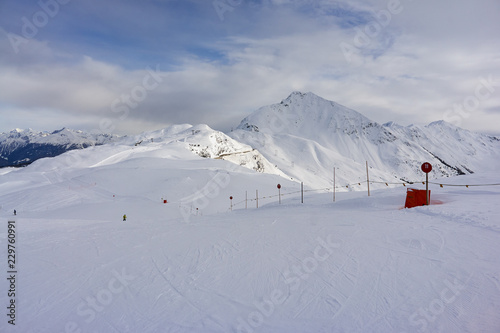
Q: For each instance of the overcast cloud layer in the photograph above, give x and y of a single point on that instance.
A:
(130, 66)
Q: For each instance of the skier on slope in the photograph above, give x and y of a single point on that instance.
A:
(124, 217)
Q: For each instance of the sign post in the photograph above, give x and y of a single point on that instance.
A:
(279, 193)
(231, 198)
(427, 167)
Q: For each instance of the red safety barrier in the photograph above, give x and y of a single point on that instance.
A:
(415, 198)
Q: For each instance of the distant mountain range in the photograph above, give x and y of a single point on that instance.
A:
(23, 147)
(301, 138)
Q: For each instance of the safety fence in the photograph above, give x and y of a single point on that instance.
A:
(245, 203)
(434, 183)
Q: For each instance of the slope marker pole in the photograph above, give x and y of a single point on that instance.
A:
(333, 184)
(367, 178)
(279, 193)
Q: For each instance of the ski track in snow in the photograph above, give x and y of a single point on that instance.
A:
(192, 275)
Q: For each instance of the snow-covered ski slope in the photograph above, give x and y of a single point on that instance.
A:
(361, 264)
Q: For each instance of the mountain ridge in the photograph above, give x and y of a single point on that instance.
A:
(302, 138)
(306, 136)
(22, 147)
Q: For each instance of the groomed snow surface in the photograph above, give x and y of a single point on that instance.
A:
(361, 264)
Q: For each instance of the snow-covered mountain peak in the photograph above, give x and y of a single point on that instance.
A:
(310, 116)
(443, 124)
(393, 125)
(306, 135)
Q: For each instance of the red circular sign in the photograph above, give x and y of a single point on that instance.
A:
(279, 186)
(230, 198)
(426, 167)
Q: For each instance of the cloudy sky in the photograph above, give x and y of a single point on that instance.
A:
(130, 66)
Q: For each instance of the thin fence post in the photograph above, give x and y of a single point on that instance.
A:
(367, 178)
(334, 184)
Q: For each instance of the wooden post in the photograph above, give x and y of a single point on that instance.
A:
(367, 178)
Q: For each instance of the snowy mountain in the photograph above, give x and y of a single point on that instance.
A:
(203, 263)
(181, 164)
(192, 256)
(306, 136)
(302, 138)
(22, 147)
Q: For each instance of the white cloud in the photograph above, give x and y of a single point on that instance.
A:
(413, 71)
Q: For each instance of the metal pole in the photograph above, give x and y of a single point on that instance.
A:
(427, 188)
(302, 192)
(367, 178)
(246, 199)
(279, 194)
(257, 197)
(334, 184)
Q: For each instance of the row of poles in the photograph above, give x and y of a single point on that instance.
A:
(367, 181)
(301, 190)
(426, 168)
(257, 196)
